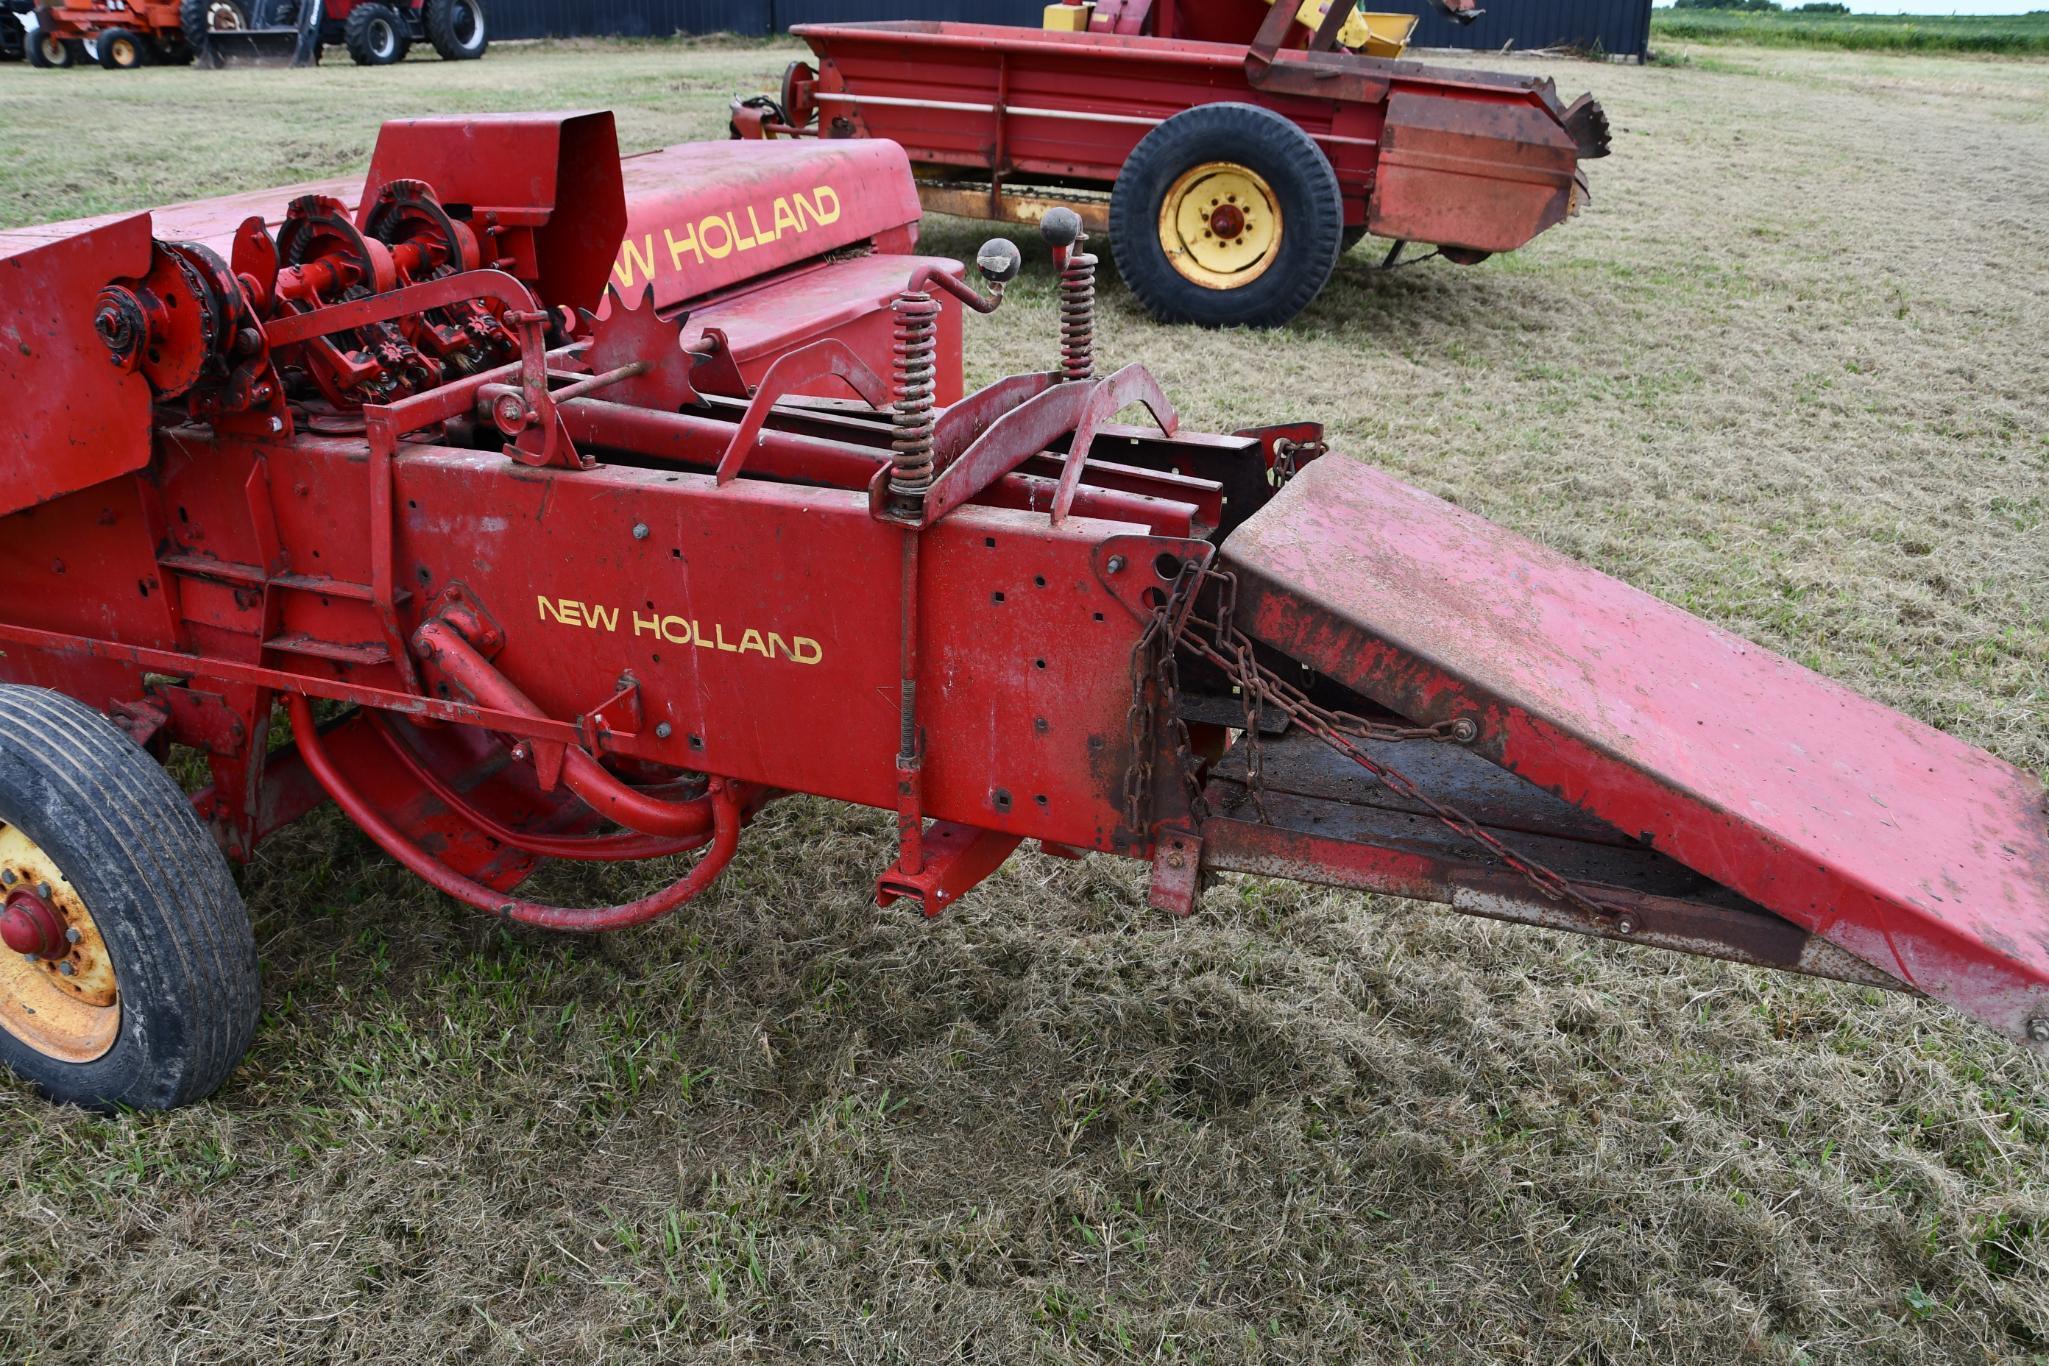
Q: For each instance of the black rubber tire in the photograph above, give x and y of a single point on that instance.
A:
(122, 50)
(1291, 164)
(375, 35)
(158, 890)
(52, 56)
(444, 23)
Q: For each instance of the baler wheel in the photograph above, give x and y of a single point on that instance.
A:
(129, 971)
(121, 50)
(51, 53)
(456, 29)
(375, 35)
(1226, 214)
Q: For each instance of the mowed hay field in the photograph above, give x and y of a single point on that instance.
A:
(1788, 371)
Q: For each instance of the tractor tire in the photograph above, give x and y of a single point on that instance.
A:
(200, 19)
(375, 35)
(53, 54)
(456, 29)
(129, 976)
(121, 50)
(1226, 215)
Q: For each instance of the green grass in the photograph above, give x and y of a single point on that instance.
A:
(1784, 371)
(2004, 35)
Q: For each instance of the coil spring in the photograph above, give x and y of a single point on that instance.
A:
(1078, 314)
(913, 363)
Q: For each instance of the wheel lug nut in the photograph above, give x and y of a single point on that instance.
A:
(7, 877)
(66, 969)
(71, 934)
(43, 890)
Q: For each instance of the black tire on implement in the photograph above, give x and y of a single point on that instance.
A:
(456, 29)
(375, 35)
(1256, 139)
(158, 892)
(53, 54)
(122, 50)
(195, 18)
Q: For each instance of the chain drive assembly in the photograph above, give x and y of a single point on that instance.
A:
(1175, 626)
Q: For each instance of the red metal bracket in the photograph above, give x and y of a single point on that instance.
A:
(1028, 429)
(620, 714)
(806, 365)
(1177, 871)
(957, 857)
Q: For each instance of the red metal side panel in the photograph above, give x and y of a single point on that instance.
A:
(1479, 173)
(557, 174)
(73, 418)
(761, 621)
(1914, 851)
(704, 217)
(1073, 104)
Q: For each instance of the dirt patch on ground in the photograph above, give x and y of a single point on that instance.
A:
(1786, 372)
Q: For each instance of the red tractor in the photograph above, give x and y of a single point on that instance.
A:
(126, 34)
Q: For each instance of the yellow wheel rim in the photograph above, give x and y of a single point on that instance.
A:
(1220, 225)
(72, 1015)
(126, 54)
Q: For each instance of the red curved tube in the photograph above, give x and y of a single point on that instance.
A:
(724, 815)
(445, 645)
(586, 848)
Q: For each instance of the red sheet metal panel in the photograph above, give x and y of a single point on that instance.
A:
(1471, 173)
(705, 217)
(556, 174)
(74, 418)
(1914, 851)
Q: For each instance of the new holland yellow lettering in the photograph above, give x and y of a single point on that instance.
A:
(739, 243)
(751, 643)
(601, 618)
(785, 217)
(679, 245)
(647, 626)
(828, 204)
(632, 257)
(725, 246)
(806, 650)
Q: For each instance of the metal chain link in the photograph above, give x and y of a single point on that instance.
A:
(1175, 625)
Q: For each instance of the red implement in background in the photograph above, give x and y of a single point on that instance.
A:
(609, 502)
(1161, 123)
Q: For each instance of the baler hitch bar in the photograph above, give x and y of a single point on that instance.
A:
(420, 462)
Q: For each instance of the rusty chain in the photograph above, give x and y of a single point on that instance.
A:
(1174, 625)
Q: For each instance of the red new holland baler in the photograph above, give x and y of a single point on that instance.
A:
(538, 569)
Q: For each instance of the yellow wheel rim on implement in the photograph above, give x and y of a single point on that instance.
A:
(127, 53)
(62, 1001)
(1220, 225)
